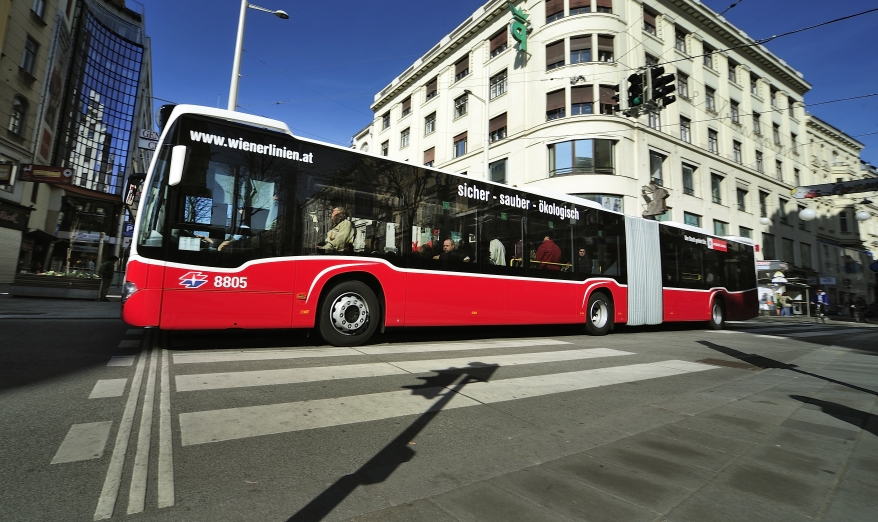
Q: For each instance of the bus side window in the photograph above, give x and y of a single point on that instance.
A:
(691, 269)
(500, 250)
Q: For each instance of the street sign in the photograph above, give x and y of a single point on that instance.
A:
(46, 174)
(149, 135)
(147, 144)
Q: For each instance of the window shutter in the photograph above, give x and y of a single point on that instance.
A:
(498, 40)
(555, 52)
(574, 4)
(462, 65)
(579, 43)
(581, 94)
(461, 136)
(429, 155)
(605, 43)
(605, 3)
(431, 85)
(497, 123)
(607, 94)
(555, 100)
(407, 104)
(649, 18)
(554, 6)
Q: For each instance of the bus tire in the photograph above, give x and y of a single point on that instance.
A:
(598, 314)
(349, 315)
(717, 315)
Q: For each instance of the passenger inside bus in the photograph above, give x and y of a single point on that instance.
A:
(340, 237)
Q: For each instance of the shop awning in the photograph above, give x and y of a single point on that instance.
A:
(41, 236)
(72, 190)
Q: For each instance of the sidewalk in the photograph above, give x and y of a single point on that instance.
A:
(830, 319)
(46, 308)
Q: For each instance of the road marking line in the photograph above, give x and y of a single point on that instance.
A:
(108, 388)
(166, 450)
(771, 336)
(110, 491)
(121, 360)
(83, 442)
(266, 355)
(129, 344)
(213, 381)
(237, 423)
(723, 331)
(137, 490)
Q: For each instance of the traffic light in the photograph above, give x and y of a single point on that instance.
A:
(636, 91)
(616, 97)
(662, 86)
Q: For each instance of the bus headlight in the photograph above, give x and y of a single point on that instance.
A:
(128, 290)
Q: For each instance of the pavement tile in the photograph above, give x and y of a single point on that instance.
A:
(645, 461)
(418, 511)
(843, 511)
(679, 452)
(865, 467)
(791, 492)
(717, 504)
(570, 498)
(638, 488)
(848, 420)
(850, 489)
(694, 403)
(809, 465)
(768, 404)
(485, 502)
(543, 446)
(820, 429)
(702, 439)
(829, 448)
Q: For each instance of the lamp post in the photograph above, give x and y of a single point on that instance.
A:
(487, 125)
(239, 47)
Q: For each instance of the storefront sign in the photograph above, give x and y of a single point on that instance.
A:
(13, 217)
(518, 29)
(45, 174)
(827, 281)
(88, 237)
(836, 189)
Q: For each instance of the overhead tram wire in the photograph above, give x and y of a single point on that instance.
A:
(729, 8)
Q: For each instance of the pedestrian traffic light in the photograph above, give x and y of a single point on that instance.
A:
(636, 94)
(616, 97)
(662, 87)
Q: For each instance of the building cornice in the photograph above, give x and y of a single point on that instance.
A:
(813, 122)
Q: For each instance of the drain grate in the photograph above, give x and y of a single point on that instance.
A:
(730, 364)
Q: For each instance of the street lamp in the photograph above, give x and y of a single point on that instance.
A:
(487, 133)
(239, 47)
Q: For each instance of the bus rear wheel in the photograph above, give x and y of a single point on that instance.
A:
(349, 314)
(717, 315)
(599, 314)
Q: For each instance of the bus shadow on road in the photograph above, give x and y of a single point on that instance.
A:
(382, 465)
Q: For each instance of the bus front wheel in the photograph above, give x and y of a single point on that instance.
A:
(349, 314)
(599, 314)
(717, 315)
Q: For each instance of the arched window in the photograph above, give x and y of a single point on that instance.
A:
(17, 115)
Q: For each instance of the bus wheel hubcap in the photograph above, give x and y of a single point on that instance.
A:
(349, 313)
(599, 314)
(717, 314)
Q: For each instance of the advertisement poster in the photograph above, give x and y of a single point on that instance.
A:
(54, 94)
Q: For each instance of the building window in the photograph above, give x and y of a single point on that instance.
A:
(580, 7)
(720, 228)
(843, 222)
(29, 57)
(754, 85)
(710, 99)
(775, 129)
(736, 152)
(385, 121)
(404, 139)
(429, 156)
(656, 162)
(712, 141)
(461, 68)
(791, 108)
(430, 124)
(499, 42)
(680, 40)
(757, 128)
(797, 180)
(683, 85)
(605, 47)
(782, 211)
(580, 49)
(763, 204)
(554, 55)
(691, 219)
(716, 188)
(18, 116)
(707, 56)
(608, 104)
(498, 84)
(459, 144)
(649, 24)
(735, 113)
(772, 96)
(604, 6)
(685, 128)
(745, 232)
(497, 128)
(788, 250)
(768, 246)
(385, 148)
(554, 10)
(760, 167)
(555, 105)
(582, 100)
(431, 89)
(794, 143)
(650, 59)
(655, 121)
(406, 107)
(733, 72)
(39, 7)
(778, 169)
(742, 199)
(688, 180)
(581, 157)
(498, 170)
(803, 225)
(460, 106)
(805, 254)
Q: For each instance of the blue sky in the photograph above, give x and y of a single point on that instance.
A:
(319, 70)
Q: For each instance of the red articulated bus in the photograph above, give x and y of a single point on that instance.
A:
(243, 225)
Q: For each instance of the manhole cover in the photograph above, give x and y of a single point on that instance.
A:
(730, 364)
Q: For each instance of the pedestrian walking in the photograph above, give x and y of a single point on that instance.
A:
(786, 305)
(106, 271)
(821, 303)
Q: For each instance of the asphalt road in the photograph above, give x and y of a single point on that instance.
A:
(767, 420)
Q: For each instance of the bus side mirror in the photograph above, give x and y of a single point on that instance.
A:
(178, 159)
